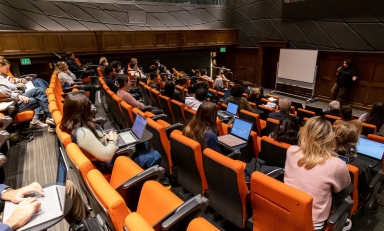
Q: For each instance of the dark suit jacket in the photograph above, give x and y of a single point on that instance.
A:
(332, 113)
(279, 115)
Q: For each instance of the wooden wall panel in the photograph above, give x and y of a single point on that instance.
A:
(174, 39)
(210, 37)
(51, 42)
(161, 39)
(87, 42)
(31, 43)
(69, 42)
(111, 41)
(126, 40)
(143, 40)
(10, 43)
(189, 38)
(243, 62)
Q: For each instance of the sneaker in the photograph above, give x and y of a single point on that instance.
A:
(51, 129)
(50, 121)
(348, 225)
(37, 124)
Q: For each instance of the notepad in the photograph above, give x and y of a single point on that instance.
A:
(5, 105)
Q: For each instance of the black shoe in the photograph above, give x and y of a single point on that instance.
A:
(165, 181)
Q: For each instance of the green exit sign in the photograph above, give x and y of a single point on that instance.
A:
(25, 61)
(223, 49)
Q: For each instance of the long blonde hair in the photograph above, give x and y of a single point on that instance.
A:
(315, 142)
(346, 137)
(59, 67)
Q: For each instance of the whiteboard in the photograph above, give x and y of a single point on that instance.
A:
(297, 65)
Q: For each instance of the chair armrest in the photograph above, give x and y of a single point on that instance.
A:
(100, 121)
(146, 108)
(339, 217)
(276, 173)
(6, 121)
(234, 155)
(378, 178)
(155, 173)
(170, 129)
(77, 80)
(29, 75)
(159, 116)
(343, 194)
(126, 151)
(196, 206)
(375, 186)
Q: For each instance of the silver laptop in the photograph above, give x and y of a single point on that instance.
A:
(135, 134)
(370, 151)
(230, 113)
(52, 203)
(239, 133)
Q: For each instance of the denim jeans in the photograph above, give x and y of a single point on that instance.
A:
(144, 156)
(40, 83)
(37, 100)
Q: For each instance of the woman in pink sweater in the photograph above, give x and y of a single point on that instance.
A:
(314, 168)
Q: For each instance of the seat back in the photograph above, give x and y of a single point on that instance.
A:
(161, 144)
(118, 113)
(354, 174)
(189, 114)
(144, 93)
(253, 118)
(227, 187)
(156, 202)
(181, 89)
(251, 150)
(155, 98)
(302, 113)
(368, 129)
(319, 111)
(107, 199)
(272, 152)
(126, 111)
(100, 72)
(212, 91)
(332, 118)
(187, 156)
(271, 125)
(376, 138)
(278, 206)
(165, 103)
(297, 105)
(64, 137)
(149, 94)
(178, 111)
(266, 111)
(199, 224)
(86, 79)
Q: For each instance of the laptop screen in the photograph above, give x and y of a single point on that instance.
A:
(62, 169)
(139, 126)
(241, 128)
(232, 108)
(370, 148)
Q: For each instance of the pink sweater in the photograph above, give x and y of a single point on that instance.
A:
(318, 182)
(128, 98)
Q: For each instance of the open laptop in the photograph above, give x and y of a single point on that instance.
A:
(239, 133)
(227, 94)
(52, 203)
(231, 111)
(135, 134)
(370, 152)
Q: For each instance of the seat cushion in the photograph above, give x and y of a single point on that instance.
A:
(23, 116)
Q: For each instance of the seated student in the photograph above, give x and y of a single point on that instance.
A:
(169, 91)
(99, 147)
(110, 77)
(164, 73)
(79, 71)
(117, 65)
(256, 96)
(200, 97)
(196, 78)
(285, 107)
(218, 85)
(346, 137)
(102, 64)
(314, 157)
(334, 109)
(183, 82)
(66, 78)
(124, 84)
(32, 99)
(203, 127)
(237, 97)
(204, 74)
(28, 206)
(220, 74)
(347, 118)
(286, 131)
(135, 71)
(375, 116)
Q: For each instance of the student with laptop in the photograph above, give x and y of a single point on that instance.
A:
(237, 97)
(203, 128)
(27, 206)
(99, 147)
(346, 138)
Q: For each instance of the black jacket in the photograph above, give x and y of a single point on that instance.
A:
(72, 65)
(344, 79)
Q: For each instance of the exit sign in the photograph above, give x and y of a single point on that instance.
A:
(223, 49)
(25, 61)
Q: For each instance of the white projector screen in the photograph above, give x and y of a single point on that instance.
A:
(297, 65)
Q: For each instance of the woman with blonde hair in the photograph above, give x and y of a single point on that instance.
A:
(346, 137)
(256, 95)
(314, 168)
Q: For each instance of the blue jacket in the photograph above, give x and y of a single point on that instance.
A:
(4, 227)
(212, 141)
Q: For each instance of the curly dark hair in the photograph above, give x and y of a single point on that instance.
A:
(237, 90)
(287, 130)
(376, 115)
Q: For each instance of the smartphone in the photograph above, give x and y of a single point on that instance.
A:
(345, 159)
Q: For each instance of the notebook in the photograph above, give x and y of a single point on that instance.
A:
(239, 133)
(135, 134)
(52, 203)
(370, 151)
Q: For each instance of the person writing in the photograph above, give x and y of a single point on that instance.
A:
(345, 78)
